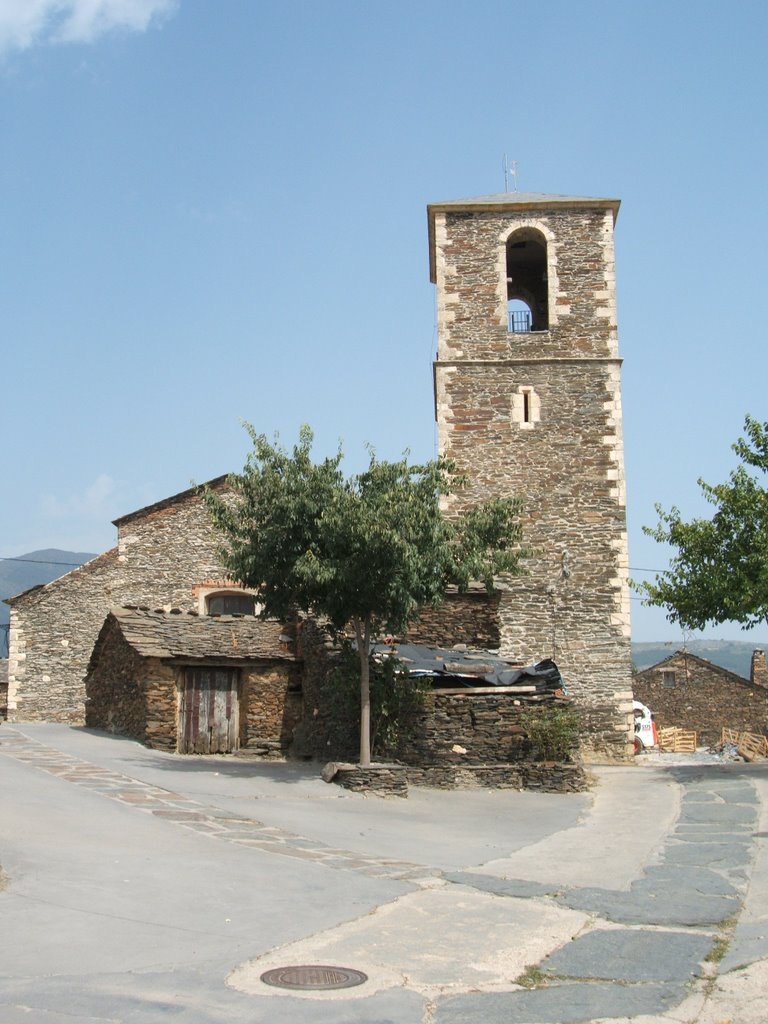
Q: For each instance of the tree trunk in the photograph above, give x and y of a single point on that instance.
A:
(363, 637)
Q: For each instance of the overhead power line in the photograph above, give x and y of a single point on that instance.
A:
(38, 561)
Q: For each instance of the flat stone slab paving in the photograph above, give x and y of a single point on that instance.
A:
(559, 1004)
(518, 888)
(624, 955)
(668, 896)
(749, 943)
(723, 856)
(718, 814)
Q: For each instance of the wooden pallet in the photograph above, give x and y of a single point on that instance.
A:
(674, 740)
(750, 745)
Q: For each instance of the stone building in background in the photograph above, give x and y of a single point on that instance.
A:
(693, 693)
(528, 404)
(165, 558)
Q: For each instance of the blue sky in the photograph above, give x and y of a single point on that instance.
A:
(216, 211)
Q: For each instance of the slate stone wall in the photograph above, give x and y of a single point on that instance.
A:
(162, 556)
(381, 779)
(759, 669)
(394, 780)
(271, 707)
(116, 698)
(161, 692)
(471, 618)
(705, 698)
(566, 463)
(53, 630)
(487, 727)
(3, 689)
(547, 777)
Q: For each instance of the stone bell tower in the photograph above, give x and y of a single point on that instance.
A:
(528, 404)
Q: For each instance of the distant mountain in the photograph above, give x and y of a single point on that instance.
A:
(29, 570)
(735, 655)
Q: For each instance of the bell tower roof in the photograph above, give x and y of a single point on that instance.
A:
(513, 202)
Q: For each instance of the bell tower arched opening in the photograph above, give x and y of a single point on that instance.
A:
(527, 284)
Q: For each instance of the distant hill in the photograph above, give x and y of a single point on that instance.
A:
(30, 570)
(735, 655)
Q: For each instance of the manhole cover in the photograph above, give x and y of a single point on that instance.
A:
(314, 976)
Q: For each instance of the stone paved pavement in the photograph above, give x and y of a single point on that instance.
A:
(190, 814)
(685, 940)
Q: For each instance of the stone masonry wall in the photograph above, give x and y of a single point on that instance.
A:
(471, 618)
(487, 727)
(472, 295)
(53, 630)
(3, 689)
(566, 464)
(161, 688)
(161, 556)
(116, 699)
(705, 698)
(271, 707)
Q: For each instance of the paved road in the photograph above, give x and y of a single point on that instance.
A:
(143, 887)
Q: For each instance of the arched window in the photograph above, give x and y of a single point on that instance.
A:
(231, 602)
(527, 286)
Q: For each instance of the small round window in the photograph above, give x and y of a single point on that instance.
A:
(231, 604)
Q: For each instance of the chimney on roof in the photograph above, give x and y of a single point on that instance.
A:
(759, 672)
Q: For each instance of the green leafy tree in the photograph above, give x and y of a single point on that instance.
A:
(396, 700)
(364, 551)
(720, 571)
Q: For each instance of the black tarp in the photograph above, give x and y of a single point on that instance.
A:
(471, 668)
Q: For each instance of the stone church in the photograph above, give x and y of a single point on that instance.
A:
(527, 400)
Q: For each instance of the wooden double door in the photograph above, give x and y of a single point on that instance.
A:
(209, 711)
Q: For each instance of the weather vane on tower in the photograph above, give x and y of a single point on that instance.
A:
(510, 170)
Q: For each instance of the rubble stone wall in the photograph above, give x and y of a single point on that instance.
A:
(3, 689)
(272, 707)
(161, 689)
(547, 777)
(122, 695)
(394, 780)
(705, 698)
(160, 558)
(565, 464)
(486, 727)
(471, 618)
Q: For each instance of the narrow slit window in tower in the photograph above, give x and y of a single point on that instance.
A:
(526, 407)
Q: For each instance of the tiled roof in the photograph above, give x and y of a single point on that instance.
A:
(217, 483)
(525, 199)
(712, 665)
(63, 581)
(182, 635)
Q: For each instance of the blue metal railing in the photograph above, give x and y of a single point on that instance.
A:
(519, 321)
